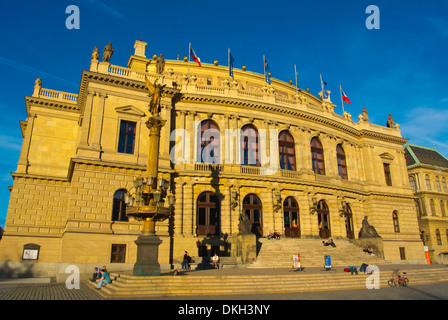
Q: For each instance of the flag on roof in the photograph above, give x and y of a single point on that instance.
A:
(344, 97)
(324, 89)
(266, 71)
(231, 59)
(194, 56)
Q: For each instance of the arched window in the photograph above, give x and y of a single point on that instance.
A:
(119, 206)
(208, 214)
(438, 237)
(444, 185)
(210, 142)
(249, 146)
(286, 151)
(349, 222)
(433, 207)
(438, 184)
(442, 208)
(252, 207)
(291, 218)
(317, 156)
(342, 164)
(323, 219)
(413, 183)
(428, 182)
(395, 220)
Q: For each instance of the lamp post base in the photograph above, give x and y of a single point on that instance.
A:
(147, 256)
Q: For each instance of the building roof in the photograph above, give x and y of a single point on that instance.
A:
(416, 155)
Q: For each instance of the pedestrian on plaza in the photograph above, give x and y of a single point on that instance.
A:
(104, 278)
(215, 261)
(186, 261)
(96, 274)
(353, 269)
(329, 242)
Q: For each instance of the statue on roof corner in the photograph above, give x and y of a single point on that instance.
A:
(160, 64)
(107, 53)
(390, 122)
(155, 92)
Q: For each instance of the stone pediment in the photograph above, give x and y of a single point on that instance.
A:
(130, 110)
(387, 156)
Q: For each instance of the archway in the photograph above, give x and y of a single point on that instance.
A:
(253, 208)
(291, 218)
(323, 217)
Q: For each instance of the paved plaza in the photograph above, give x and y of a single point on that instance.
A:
(44, 289)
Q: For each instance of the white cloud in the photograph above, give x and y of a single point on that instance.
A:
(104, 8)
(427, 127)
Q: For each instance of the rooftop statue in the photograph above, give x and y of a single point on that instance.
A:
(107, 53)
(390, 121)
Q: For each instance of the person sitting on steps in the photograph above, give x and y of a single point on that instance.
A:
(329, 242)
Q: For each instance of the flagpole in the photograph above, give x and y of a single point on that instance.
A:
(264, 68)
(297, 85)
(322, 86)
(189, 51)
(228, 58)
(342, 100)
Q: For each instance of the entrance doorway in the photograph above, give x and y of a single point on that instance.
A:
(253, 208)
(323, 217)
(349, 223)
(291, 218)
(208, 214)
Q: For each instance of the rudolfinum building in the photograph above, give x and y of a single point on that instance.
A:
(230, 146)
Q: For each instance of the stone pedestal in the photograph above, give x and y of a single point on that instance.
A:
(246, 248)
(147, 256)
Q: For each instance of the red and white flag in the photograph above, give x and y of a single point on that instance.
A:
(194, 56)
(344, 97)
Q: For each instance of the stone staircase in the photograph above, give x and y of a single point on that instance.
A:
(279, 254)
(126, 286)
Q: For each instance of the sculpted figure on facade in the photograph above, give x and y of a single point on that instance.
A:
(160, 64)
(155, 93)
(107, 53)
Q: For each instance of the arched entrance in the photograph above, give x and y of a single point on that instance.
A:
(291, 218)
(253, 208)
(323, 218)
(349, 222)
(208, 214)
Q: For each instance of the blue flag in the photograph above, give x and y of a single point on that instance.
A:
(231, 59)
(266, 72)
(324, 88)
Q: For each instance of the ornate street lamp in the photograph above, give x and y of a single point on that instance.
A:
(146, 203)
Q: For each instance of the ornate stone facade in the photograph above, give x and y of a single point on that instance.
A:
(316, 173)
(428, 177)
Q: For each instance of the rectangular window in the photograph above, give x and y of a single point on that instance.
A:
(118, 254)
(126, 140)
(387, 174)
(402, 253)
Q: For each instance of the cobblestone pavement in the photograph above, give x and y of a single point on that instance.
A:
(50, 291)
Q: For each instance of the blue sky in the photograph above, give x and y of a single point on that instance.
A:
(400, 68)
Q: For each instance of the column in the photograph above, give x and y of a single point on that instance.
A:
(23, 164)
(96, 144)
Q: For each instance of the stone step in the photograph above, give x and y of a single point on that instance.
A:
(279, 253)
(247, 284)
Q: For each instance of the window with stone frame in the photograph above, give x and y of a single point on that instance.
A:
(387, 174)
(126, 139)
(428, 182)
(317, 156)
(119, 206)
(118, 253)
(342, 163)
(396, 222)
(286, 149)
